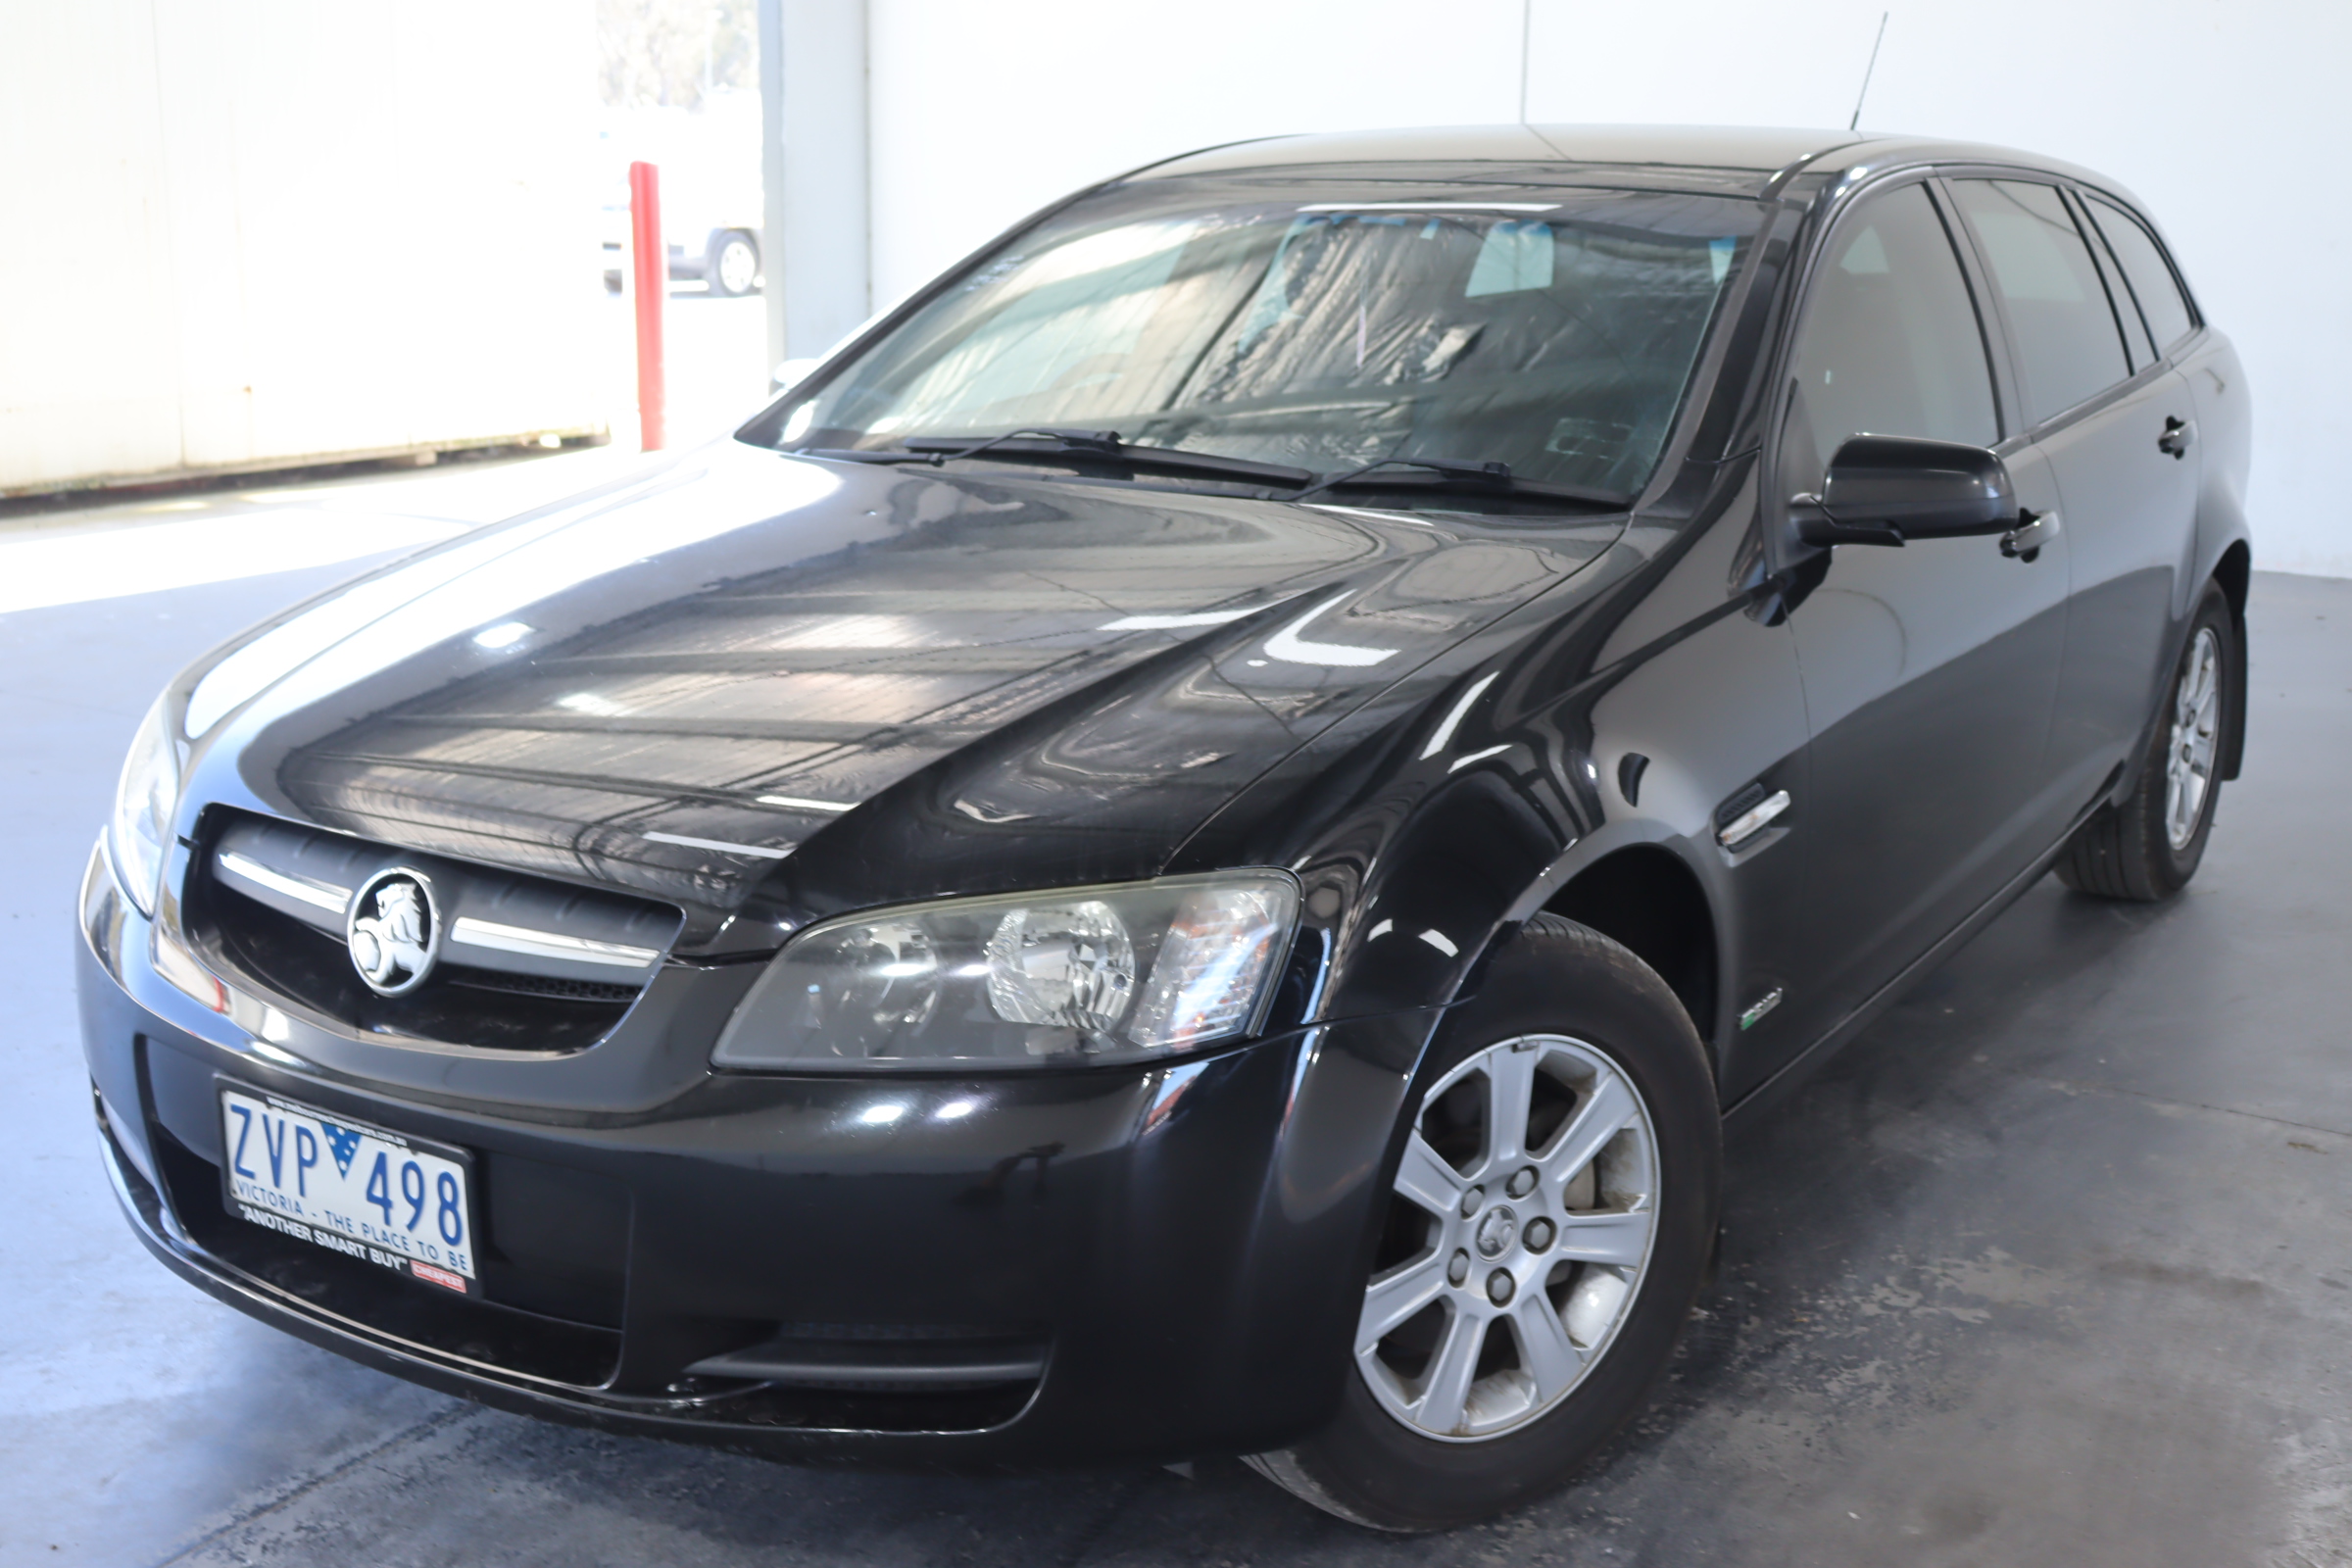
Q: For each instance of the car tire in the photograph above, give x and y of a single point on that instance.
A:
(734, 265)
(1578, 1042)
(2148, 848)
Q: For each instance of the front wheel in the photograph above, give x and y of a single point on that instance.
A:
(1547, 1229)
(2149, 847)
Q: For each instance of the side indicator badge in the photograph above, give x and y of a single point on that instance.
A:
(1750, 819)
(1768, 1000)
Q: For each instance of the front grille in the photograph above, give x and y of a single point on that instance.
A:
(531, 985)
(526, 963)
(886, 1358)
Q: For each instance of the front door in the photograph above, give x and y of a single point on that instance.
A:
(1930, 671)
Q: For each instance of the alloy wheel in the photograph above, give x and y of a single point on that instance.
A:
(738, 265)
(1522, 1220)
(2189, 758)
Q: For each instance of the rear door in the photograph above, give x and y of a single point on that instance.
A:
(2117, 425)
(1929, 671)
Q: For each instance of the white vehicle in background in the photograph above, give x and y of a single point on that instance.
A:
(711, 193)
(725, 256)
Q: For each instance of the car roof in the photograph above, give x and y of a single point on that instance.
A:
(1732, 159)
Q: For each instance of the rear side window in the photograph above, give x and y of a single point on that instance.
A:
(1890, 344)
(2151, 280)
(2068, 343)
(2136, 346)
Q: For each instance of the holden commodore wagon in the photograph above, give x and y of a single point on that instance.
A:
(1184, 849)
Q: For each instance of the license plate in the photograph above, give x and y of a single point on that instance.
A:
(383, 1197)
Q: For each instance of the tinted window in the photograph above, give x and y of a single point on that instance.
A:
(1890, 345)
(2151, 280)
(1548, 328)
(2141, 352)
(2067, 344)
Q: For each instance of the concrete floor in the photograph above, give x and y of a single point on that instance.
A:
(2053, 1266)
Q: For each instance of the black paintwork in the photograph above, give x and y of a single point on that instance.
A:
(968, 660)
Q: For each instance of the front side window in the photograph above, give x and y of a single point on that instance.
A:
(1551, 329)
(2068, 347)
(2150, 281)
(1890, 344)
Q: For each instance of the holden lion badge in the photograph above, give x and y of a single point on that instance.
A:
(394, 931)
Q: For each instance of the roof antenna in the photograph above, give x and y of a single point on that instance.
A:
(1850, 125)
(1526, 26)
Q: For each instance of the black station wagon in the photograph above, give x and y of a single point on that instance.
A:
(1184, 850)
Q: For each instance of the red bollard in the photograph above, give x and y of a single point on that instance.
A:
(651, 259)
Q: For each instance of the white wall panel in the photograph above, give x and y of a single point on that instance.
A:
(88, 379)
(2223, 116)
(826, 270)
(262, 230)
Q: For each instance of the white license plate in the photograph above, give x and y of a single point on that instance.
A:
(381, 1197)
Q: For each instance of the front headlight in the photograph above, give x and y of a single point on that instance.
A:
(145, 800)
(1052, 979)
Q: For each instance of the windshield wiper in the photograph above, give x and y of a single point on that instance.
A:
(1491, 474)
(1065, 440)
(1093, 448)
(1105, 449)
(1450, 472)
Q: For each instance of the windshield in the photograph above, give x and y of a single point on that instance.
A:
(1553, 330)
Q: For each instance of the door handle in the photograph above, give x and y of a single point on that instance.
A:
(2178, 435)
(2033, 530)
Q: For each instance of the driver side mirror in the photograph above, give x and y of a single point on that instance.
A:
(1886, 489)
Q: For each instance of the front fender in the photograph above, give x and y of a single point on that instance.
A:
(1428, 824)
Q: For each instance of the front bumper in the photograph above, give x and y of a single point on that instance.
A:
(1175, 1254)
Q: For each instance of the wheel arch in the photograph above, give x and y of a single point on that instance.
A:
(1648, 899)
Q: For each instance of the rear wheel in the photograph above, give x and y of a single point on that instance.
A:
(734, 265)
(2149, 847)
(1549, 1223)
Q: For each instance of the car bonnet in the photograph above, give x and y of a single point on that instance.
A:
(689, 683)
